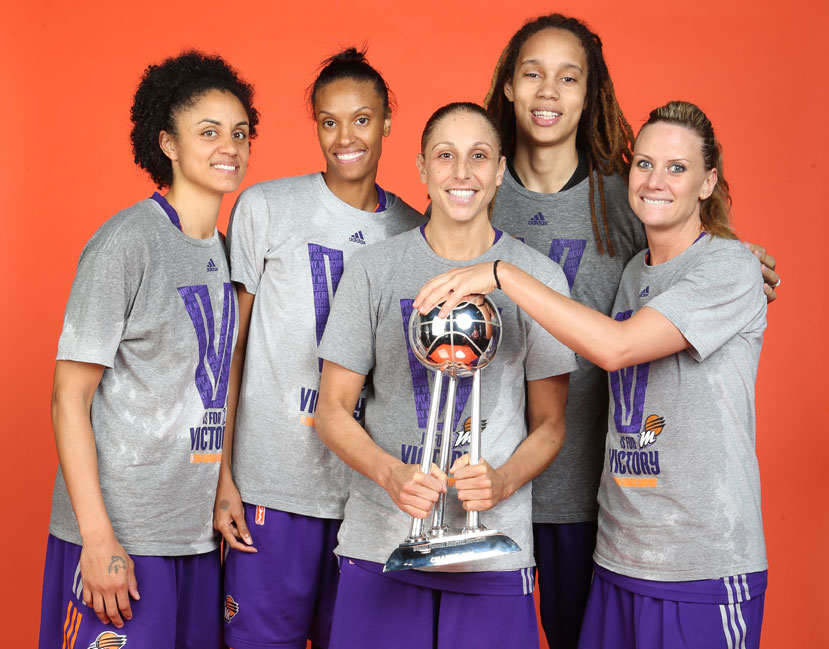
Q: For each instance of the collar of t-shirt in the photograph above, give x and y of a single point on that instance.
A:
(171, 213)
(498, 234)
(578, 175)
(381, 199)
(169, 210)
(648, 251)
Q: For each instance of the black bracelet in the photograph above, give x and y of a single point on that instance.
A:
(495, 274)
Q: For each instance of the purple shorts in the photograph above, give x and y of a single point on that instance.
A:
(414, 609)
(283, 595)
(179, 605)
(627, 613)
(564, 561)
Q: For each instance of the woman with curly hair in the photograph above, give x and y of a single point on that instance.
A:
(281, 505)
(141, 379)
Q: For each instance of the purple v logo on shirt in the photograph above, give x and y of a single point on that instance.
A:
(213, 368)
(629, 386)
(320, 275)
(567, 253)
(420, 380)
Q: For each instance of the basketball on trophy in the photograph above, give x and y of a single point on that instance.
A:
(462, 342)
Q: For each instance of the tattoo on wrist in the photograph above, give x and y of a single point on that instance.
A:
(117, 563)
(224, 505)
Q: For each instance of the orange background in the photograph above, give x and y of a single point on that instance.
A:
(69, 71)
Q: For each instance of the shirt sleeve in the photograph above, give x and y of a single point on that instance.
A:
(248, 237)
(721, 296)
(546, 356)
(97, 309)
(349, 338)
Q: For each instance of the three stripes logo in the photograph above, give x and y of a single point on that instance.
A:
(537, 219)
(645, 291)
(212, 267)
(71, 626)
(357, 237)
(109, 640)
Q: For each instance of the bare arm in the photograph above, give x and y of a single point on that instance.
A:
(228, 511)
(106, 568)
(608, 343)
(411, 490)
(480, 487)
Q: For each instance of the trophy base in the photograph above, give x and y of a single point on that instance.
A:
(449, 549)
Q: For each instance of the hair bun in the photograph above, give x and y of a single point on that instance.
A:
(349, 55)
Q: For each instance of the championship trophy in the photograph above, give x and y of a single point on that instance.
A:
(456, 346)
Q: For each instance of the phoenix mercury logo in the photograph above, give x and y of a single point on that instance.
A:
(109, 640)
(231, 609)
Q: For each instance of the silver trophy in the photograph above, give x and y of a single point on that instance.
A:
(456, 346)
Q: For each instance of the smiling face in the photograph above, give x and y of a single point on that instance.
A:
(210, 148)
(351, 125)
(462, 166)
(668, 179)
(548, 88)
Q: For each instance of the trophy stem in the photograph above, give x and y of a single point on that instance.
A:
(416, 526)
(473, 519)
(445, 447)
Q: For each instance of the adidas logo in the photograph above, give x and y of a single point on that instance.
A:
(645, 291)
(212, 267)
(538, 219)
(357, 237)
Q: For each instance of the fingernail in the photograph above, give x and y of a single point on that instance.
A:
(763, 267)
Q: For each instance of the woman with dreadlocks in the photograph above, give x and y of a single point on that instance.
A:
(568, 150)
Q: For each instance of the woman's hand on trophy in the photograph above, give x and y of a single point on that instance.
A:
(455, 285)
(229, 516)
(480, 487)
(413, 491)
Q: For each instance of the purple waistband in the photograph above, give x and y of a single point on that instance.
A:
(725, 590)
(489, 582)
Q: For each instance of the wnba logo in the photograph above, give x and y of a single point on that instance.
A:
(109, 640)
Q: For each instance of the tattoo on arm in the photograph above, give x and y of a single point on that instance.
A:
(117, 562)
(224, 505)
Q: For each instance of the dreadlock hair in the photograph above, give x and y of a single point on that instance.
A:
(349, 64)
(714, 210)
(603, 134)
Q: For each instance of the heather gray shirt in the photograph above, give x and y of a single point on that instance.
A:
(367, 334)
(680, 492)
(559, 226)
(157, 308)
(288, 241)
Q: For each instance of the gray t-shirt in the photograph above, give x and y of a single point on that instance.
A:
(559, 226)
(288, 241)
(157, 308)
(367, 333)
(680, 492)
